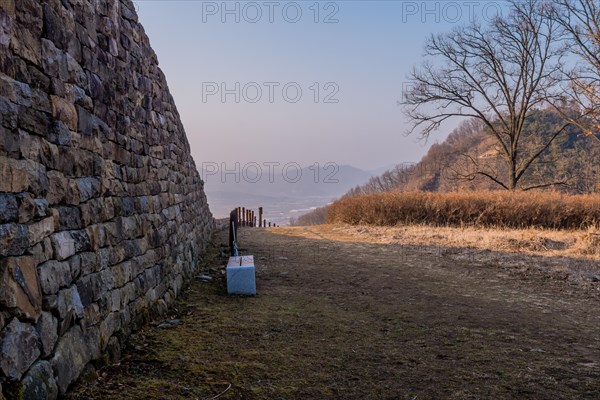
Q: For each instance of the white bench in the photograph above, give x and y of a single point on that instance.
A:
(241, 276)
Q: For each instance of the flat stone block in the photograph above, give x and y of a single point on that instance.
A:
(241, 277)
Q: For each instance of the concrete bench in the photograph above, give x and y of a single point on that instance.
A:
(241, 277)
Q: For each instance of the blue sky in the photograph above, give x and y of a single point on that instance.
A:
(360, 57)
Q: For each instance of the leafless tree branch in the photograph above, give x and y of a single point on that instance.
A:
(498, 74)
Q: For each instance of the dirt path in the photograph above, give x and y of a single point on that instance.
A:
(337, 318)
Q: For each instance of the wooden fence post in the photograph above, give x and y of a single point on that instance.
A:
(260, 218)
(233, 225)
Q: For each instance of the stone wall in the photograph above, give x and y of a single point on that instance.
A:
(102, 211)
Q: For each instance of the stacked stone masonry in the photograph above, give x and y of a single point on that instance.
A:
(103, 216)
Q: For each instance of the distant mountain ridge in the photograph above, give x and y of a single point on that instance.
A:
(282, 192)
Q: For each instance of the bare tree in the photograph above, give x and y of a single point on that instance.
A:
(581, 21)
(497, 74)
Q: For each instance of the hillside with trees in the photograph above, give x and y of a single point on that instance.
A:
(570, 161)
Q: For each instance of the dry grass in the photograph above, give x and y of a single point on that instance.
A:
(349, 318)
(518, 210)
(540, 242)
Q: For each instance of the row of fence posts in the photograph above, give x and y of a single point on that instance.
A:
(242, 216)
(247, 217)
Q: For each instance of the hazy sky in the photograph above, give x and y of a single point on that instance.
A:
(236, 70)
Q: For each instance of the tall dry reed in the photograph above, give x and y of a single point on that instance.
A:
(479, 208)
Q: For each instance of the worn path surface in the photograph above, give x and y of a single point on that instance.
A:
(336, 318)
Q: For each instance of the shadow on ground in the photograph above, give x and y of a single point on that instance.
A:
(348, 320)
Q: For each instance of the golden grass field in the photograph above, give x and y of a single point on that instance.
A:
(499, 209)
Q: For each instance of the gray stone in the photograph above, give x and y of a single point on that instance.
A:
(15, 91)
(66, 323)
(75, 264)
(88, 188)
(9, 209)
(54, 60)
(53, 275)
(50, 302)
(73, 351)
(23, 94)
(25, 44)
(40, 230)
(90, 288)
(91, 315)
(115, 299)
(129, 14)
(64, 110)
(128, 293)
(69, 300)
(42, 251)
(9, 112)
(47, 328)
(122, 273)
(109, 256)
(6, 24)
(76, 73)
(127, 206)
(19, 287)
(35, 148)
(96, 233)
(63, 244)
(74, 49)
(76, 162)
(14, 239)
(41, 208)
(96, 86)
(19, 346)
(32, 120)
(77, 95)
(22, 176)
(9, 141)
(89, 263)
(53, 27)
(39, 382)
(57, 187)
(26, 207)
(129, 226)
(85, 121)
(82, 240)
(59, 133)
(40, 85)
(69, 217)
(4, 316)
(109, 326)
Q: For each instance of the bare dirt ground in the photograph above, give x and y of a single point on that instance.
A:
(343, 314)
